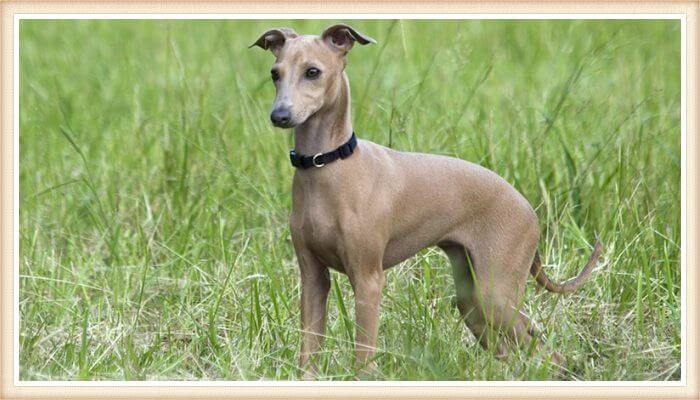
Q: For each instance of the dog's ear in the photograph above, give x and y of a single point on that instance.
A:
(342, 37)
(274, 39)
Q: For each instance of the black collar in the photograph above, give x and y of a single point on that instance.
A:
(321, 159)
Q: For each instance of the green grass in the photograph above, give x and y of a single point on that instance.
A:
(154, 196)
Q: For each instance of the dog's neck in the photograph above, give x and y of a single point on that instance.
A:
(329, 128)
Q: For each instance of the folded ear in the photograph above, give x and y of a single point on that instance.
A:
(274, 39)
(342, 37)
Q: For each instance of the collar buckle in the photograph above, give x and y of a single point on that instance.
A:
(315, 164)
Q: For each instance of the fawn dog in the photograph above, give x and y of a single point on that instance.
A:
(361, 208)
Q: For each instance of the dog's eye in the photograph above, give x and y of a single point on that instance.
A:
(312, 73)
(275, 75)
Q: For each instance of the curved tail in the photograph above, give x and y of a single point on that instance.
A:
(570, 285)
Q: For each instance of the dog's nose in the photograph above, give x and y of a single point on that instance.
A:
(281, 117)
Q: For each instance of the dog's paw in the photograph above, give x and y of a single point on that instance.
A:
(309, 375)
(369, 372)
(558, 360)
(500, 352)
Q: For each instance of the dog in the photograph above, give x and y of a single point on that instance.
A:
(361, 208)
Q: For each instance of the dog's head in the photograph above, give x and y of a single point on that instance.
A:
(307, 70)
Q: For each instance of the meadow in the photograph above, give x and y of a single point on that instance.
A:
(154, 196)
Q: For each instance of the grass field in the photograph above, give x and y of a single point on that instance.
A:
(154, 197)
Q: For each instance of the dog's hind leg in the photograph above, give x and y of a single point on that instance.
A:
(490, 292)
(490, 284)
(471, 309)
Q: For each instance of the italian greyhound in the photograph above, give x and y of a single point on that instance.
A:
(361, 208)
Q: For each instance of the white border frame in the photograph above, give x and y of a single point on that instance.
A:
(423, 16)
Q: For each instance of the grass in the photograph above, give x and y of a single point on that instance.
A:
(154, 196)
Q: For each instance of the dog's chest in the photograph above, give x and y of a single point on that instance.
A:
(319, 228)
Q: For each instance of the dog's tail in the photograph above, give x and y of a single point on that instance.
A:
(570, 285)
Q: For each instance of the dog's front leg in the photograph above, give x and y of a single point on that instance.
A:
(367, 282)
(315, 283)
